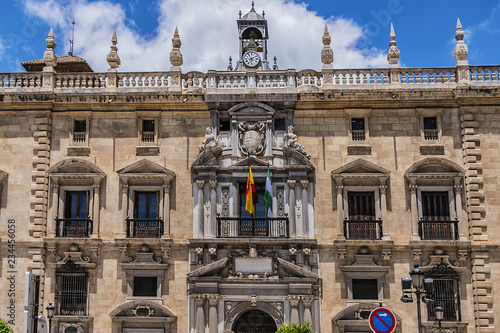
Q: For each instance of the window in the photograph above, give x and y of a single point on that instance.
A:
(364, 289)
(148, 130)
(279, 124)
(446, 292)
(260, 205)
(358, 129)
(76, 221)
(145, 286)
(224, 125)
(145, 223)
(430, 128)
(436, 199)
(79, 137)
(80, 131)
(71, 294)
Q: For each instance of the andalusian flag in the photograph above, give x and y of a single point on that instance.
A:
(249, 206)
(268, 195)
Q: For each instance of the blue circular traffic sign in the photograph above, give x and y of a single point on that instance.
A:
(382, 320)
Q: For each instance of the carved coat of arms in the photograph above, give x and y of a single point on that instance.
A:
(252, 137)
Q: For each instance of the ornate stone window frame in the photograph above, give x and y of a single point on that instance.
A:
(431, 147)
(78, 147)
(146, 148)
(145, 175)
(365, 268)
(361, 176)
(123, 317)
(74, 174)
(358, 147)
(433, 175)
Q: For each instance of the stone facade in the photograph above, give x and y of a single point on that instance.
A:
(154, 165)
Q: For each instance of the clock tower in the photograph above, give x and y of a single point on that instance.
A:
(253, 35)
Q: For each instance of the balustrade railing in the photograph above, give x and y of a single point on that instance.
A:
(144, 228)
(363, 229)
(148, 137)
(438, 228)
(252, 227)
(73, 227)
(238, 81)
(79, 137)
(431, 134)
(358, 135)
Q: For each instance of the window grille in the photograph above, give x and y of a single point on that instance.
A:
(446, 292)
(71, 294)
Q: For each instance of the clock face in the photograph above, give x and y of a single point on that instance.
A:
(251, 59)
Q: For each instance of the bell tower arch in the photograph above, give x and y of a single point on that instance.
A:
(253, 36)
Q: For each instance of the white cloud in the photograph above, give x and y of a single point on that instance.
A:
(208, 34)
(1, 49)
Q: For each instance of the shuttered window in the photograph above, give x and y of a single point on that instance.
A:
(71, 294)
(361, 206)
(435, 206)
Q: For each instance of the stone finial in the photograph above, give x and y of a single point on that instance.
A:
(393, 53)
(327, 52)
(175, 55)
(49, 56)
(113, 58)
(461, 50)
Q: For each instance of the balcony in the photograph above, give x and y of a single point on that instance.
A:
(73, 227)
(431, 134)
(358, 135)
(369, 229)
(438, 228)
(252, 227)
(144, 228)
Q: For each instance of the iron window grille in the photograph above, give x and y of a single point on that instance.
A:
(446, 292)
(71, 293)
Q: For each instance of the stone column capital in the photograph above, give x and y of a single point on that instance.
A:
(413, 189)
(212, 183)
(291, 182)
(304, 183)
(200, 299)
(200, 183)
(213, 299)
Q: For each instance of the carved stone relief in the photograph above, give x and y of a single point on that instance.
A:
(252, 137)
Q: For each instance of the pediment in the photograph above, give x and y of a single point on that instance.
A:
(130, 308)
(248, 267)
(434, 168)
(75, 165)
(255, 162)
(251, 108)
(146, 169)
(360, 168)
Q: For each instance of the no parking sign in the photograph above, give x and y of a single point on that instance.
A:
(382, 320)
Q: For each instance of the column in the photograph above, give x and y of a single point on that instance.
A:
(200, 313)
(414, 212)
(213, 320)
(304, 225)
(462, 222)
(269, 137)
(51, 222)
(200, 184)
(213, 207)
(166, 210)
(340, 210)
(307, 300)
(125, 209)
(97, 207)
(294, 301)
(291, 210)
(383, 205)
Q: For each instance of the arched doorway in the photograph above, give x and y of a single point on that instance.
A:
(255, 321)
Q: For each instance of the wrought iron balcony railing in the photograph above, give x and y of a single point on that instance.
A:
(144, 228)
(438, 228)
(73, 227)
(252, 227)
(362, 229)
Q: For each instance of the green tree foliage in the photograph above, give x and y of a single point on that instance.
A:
(292, 328)
(4, 327)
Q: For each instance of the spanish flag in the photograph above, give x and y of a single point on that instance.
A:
(249, 206)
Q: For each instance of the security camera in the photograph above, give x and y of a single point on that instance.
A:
(184, 100)
(110, 101)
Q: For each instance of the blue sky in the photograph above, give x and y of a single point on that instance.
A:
(359, 29)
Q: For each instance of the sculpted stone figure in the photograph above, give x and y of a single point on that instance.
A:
(210, 141)
(291, 142)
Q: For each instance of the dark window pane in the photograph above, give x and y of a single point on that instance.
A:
(148, 125)
(364, 289)
(435, 205)
(145, 286)
(430, 123)
(260, 205)
(279, 124)
(71, 294)
(361, 206)
(224, 125)
(76, 205)
(80, 126)
(146, 205)
(358, 124)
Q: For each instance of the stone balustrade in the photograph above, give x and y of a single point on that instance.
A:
(237, 82)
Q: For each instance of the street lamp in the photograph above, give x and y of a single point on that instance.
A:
(439, 315)
(50, 313)
(416, 284)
